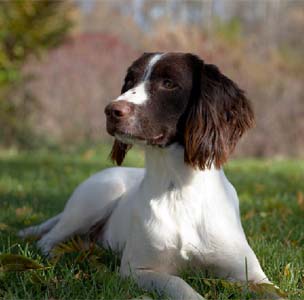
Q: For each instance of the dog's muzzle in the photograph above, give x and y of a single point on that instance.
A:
(118, 113)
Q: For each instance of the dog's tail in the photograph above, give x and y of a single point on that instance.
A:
(39, 230)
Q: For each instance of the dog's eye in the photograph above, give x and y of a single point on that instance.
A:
(168, 84)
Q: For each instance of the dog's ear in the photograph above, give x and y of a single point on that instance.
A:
(119, 151)
(217, 116)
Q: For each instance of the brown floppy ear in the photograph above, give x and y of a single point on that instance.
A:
(217, 116)
(119, 151)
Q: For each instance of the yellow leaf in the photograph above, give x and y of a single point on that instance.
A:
(300, 200)
(267, 289)
(88, 154)
(206, 282)
(3, 226)
(74, 245)
(249, 214)
(23, 211)
(14, 262)
(287, 270)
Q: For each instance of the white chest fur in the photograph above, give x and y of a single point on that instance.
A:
(176, 213)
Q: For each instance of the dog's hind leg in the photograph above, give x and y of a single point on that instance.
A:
(39, 230)
(67, 228)
(90, 204)
(59, 233)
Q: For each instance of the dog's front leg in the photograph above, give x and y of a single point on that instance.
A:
(164, 284)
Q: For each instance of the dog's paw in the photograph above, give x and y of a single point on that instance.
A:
(46, 245)
(28, 232)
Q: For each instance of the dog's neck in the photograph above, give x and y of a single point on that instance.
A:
(165, 168)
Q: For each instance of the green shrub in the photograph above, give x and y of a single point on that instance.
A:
(27, 28)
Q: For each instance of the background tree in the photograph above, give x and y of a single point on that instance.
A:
(27, 28)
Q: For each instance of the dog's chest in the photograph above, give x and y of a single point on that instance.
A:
(165, 224)
(170, 223)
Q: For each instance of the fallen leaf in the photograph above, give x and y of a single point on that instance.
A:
(249, 215)
(206, 282)
(88, 154)
(14, 262)
(300, 200)
(74, 245)
(287, 270)
(23, 211)
(3, 226)
(267, 289)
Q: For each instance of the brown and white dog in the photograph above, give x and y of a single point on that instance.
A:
(180, 211)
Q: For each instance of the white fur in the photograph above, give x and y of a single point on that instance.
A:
(151, 64)
(164, 218)
(138, 94)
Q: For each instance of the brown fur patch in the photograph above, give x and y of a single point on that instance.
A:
(215, 120)
(119, 151)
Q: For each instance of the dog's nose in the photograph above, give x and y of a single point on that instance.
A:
(119, 109)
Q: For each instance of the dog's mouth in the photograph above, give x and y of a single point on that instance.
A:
(127, 134)
(131, 139)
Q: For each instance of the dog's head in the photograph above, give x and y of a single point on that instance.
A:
(176, 97)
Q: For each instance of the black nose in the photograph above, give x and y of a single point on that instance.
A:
(119, 109)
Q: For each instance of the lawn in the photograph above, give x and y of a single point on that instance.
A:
(35, 186)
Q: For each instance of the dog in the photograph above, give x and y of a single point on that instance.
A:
(179, 211)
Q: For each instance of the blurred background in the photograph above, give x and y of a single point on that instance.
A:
(61, 62)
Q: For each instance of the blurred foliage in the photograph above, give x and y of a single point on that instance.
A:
(26, 28)
(230, 31)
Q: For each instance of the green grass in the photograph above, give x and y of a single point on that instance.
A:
(35, 186)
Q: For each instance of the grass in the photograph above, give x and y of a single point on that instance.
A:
(35, 186)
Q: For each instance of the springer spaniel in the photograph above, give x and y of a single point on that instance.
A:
(180, 211)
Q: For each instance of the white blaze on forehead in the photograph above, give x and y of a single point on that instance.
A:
(150, 66)
(138, 94)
